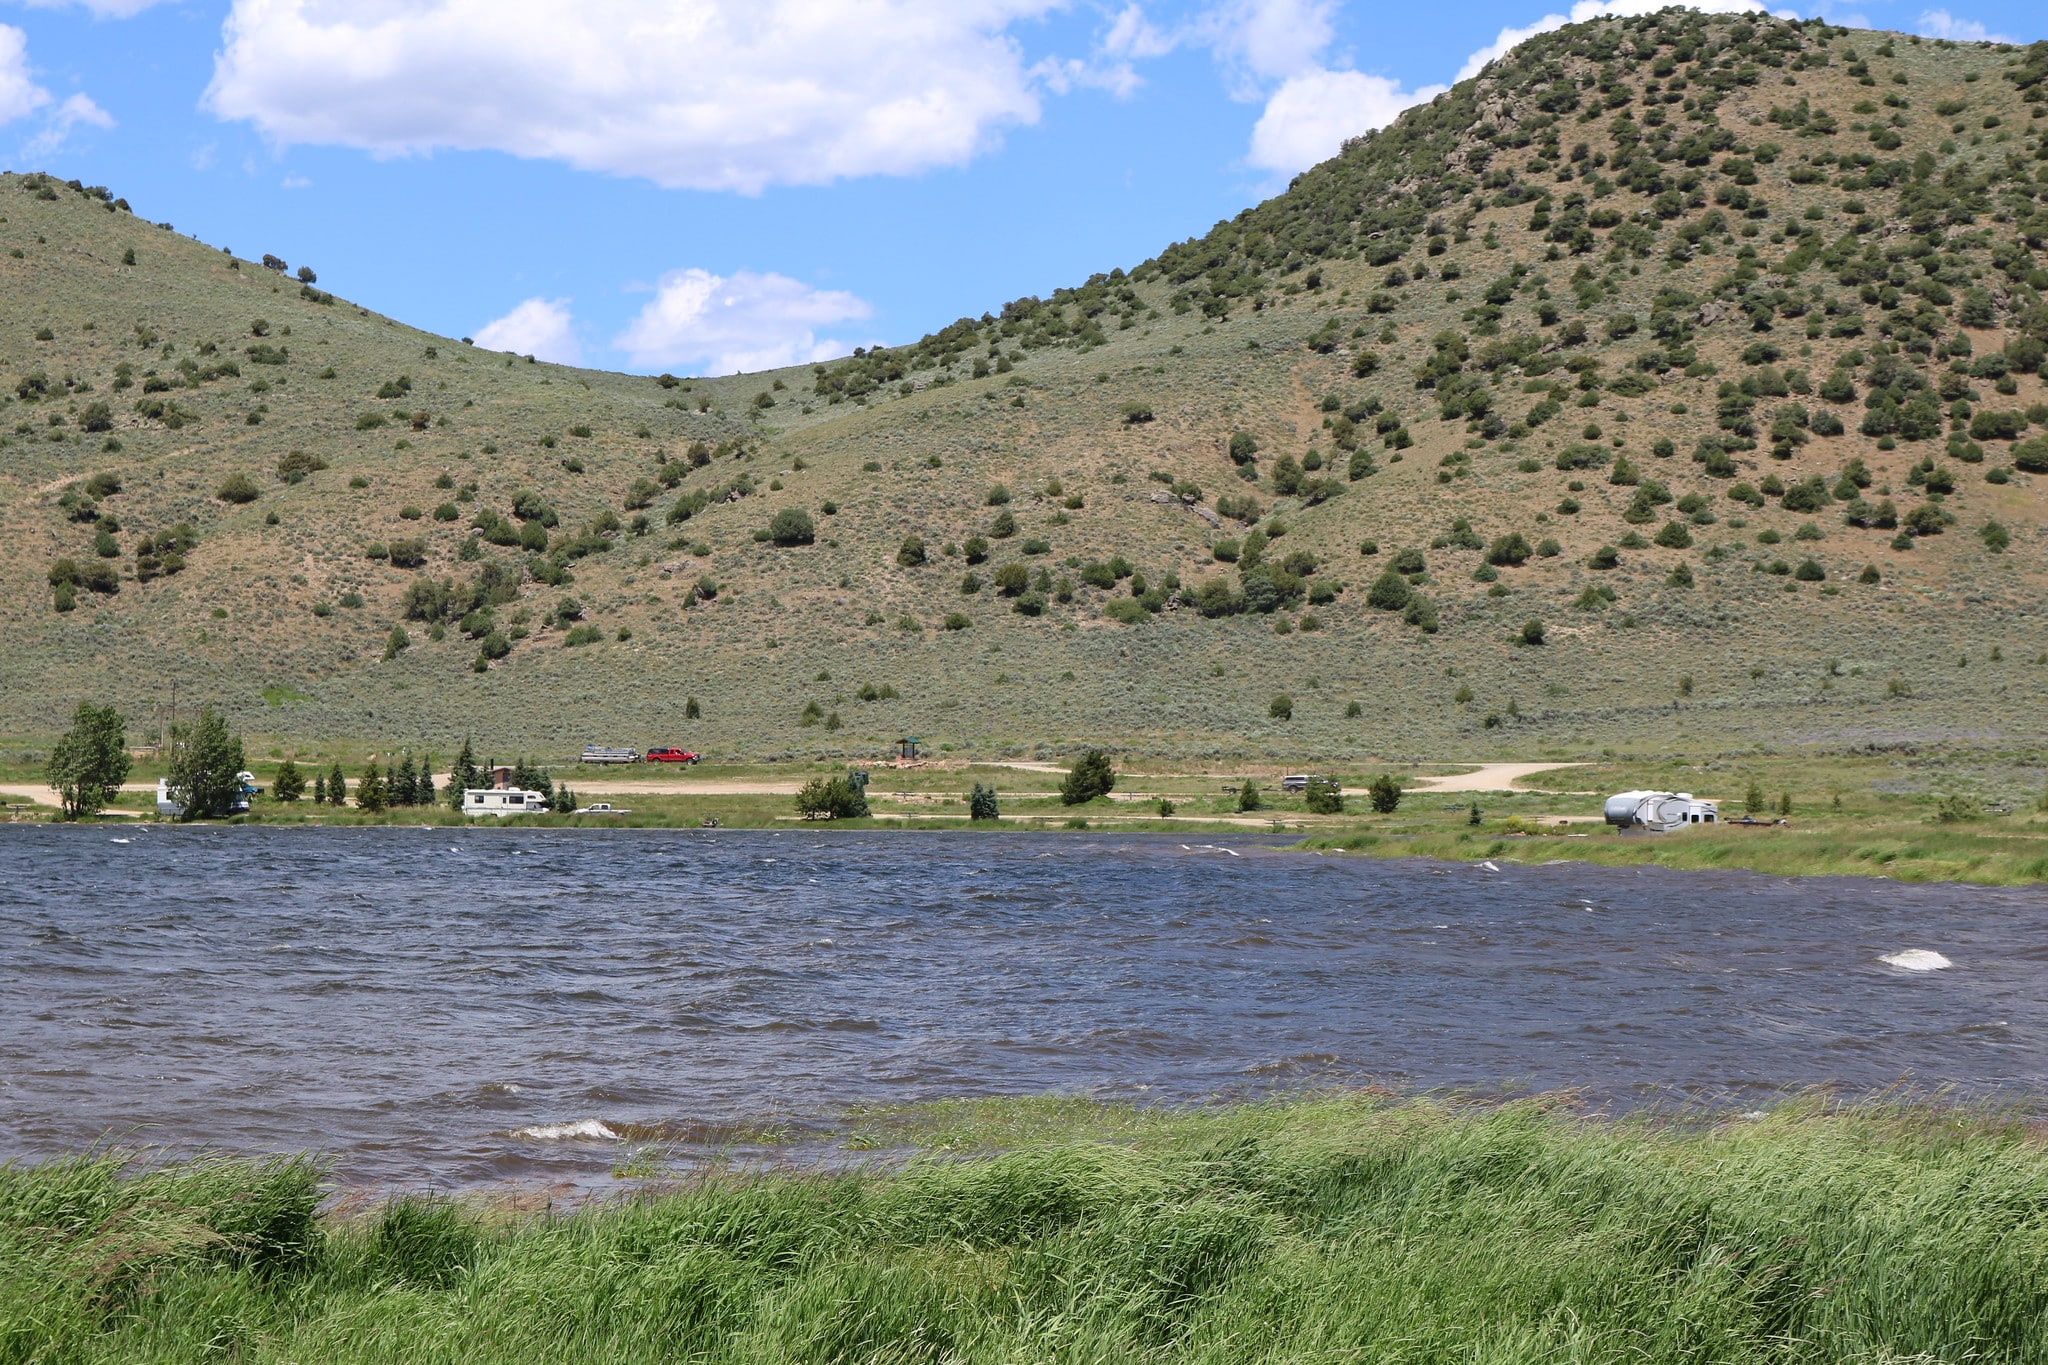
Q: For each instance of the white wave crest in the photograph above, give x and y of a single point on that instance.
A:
(1917, 960)
(564, 1132)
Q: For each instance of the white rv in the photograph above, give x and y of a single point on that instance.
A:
(1659, 812)
(502, 801)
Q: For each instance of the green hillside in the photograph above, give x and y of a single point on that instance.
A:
(1705, 351)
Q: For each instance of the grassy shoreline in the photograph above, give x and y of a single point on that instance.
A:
(1896, 853)
(1329, 1228)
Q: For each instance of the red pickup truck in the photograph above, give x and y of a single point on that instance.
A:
(670, 755)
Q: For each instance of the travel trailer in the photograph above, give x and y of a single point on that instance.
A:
(1660, 812)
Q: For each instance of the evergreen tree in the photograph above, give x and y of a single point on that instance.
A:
(206, 770)
(402, 781)
(1324, 797)
(290, 783)
(462, 776)
(371, 793)
(337, 786)
(1091, 777)
(1385, 794)
(423, 782)
(90, 762)
(319, 788)
(981, 803)
(1248, 797)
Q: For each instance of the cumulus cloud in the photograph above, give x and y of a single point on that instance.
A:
(72, 112)
(1274, 39)
(1310, 115)
(698, 94)
(541, 328)
(1939, 23)
(1511, 38)
(19, 94)
(722, 324)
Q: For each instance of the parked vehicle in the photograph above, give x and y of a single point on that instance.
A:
(1659, 812)
(608, 753)
(503, 801)
(167, 805)
(670, 755)
(603, 808)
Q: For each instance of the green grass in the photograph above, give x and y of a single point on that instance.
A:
(1334, 1229)
(1899, 852)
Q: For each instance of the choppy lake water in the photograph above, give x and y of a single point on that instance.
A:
(472, 1005)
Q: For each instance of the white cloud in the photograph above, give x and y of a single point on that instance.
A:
(1511, 38)
(541, 328)
(1310, 115)
(1273, 39)
(19, 94)
(1939, 23)
(700, 94)
(72, 112)
(744, 321)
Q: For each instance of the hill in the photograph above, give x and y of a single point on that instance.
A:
(1704, 351)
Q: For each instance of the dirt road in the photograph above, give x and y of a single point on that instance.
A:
(1487, 777)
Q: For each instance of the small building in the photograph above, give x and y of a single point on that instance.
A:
(503, 801)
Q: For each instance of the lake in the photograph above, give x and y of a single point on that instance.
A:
(465, 1006)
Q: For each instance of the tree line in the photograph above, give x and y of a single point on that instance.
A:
(90, 762)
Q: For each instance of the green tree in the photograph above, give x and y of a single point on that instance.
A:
(90, 762)
(981, 803)
(1385, 794)
(831, 798)
(404, 786)
(423, 782)
(462, 776)
(1249, 798)
(1089, 778)
(1753, 802)
(1324, 797)
(1281, 707)
(371, 793)
(289, 784)
(319, 788)
(337, 786)
(911, 553)
(206, 768)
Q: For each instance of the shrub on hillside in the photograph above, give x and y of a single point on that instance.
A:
(792, 526)
(238, 489)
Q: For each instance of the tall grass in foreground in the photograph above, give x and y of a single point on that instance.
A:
(1327, 1230)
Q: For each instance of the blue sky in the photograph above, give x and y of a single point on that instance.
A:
(708, 185)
